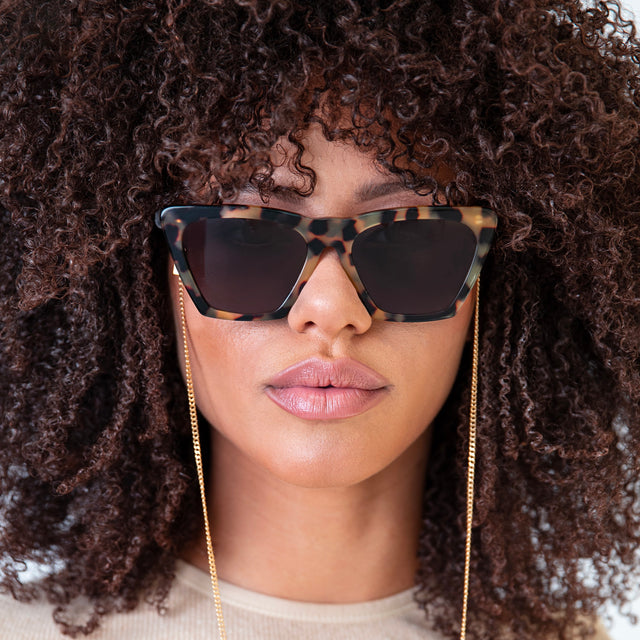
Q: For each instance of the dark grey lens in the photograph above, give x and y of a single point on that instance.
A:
(243, 266)
(414, 267)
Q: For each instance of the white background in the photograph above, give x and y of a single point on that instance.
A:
(622, 628)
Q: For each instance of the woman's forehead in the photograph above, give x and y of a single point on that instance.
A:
(314, 163)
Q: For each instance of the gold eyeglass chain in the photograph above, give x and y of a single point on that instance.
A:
(471, 460)
(470, 465)
(197, 452)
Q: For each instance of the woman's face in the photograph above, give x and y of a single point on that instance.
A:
(325, 397)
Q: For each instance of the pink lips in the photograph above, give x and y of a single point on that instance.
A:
(318, 389)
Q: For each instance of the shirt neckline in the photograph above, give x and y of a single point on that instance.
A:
(239, 597)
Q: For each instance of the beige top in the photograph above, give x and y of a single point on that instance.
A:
(248, 616)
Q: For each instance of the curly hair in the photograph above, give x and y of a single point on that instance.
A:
(109, 110)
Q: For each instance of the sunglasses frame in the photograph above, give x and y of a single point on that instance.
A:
(320, 234)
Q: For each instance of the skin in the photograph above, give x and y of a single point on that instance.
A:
(300, 507)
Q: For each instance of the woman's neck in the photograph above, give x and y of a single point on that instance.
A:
(332, 545)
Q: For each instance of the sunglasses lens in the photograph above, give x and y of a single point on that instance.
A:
(244, 266)
(414, 267)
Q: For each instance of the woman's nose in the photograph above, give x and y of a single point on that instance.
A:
(329, 303)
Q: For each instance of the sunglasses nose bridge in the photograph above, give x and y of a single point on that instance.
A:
(318, 250)
(325, 301)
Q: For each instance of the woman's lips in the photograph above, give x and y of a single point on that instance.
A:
(318, 389)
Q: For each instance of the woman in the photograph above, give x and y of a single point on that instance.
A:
(167, 167)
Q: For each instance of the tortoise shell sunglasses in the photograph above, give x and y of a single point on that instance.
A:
(412, 264)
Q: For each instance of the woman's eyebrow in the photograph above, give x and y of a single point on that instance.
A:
(283, 192)
(373, 190)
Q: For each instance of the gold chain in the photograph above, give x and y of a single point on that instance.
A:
(197, 452)
(470, 466)
(471, 462)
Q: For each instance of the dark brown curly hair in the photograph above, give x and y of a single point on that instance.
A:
(109, 110)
